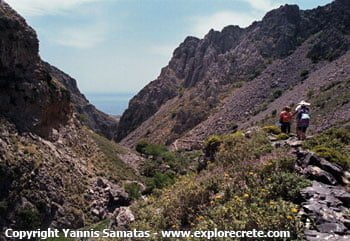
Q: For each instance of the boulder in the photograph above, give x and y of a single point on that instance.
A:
(316, 173)
(334, 169)
(117, 194)
(124, 217)
(343, 196)
(101, 182)
(324, 208)
(105, 197)
(337, 228)
(294, 143)
(313, 235)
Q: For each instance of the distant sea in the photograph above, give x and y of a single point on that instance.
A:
(111, 103)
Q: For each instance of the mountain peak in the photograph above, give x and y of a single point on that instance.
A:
(283, 15)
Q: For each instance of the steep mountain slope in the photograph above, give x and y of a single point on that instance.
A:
(87, 113)
(28, 95)
(213, 84)
(31, 98)
(54, 171)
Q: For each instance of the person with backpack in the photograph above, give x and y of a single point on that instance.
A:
(302, 113)
(285, 120)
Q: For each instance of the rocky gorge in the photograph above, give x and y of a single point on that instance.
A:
(198, 147)
(54, 144)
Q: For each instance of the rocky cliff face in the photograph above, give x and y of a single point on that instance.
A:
(213, 84)
(87, 113)
(28, 94)
(35, 95)
(54, 171)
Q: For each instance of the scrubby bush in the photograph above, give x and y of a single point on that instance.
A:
(304, 74)
(285, 164)
(332, 155)
(250, 185)
(282, 136)
(134, 190)
(155, 150)
(237, 147)
(233, 126)
(332, 145)
(274, 113)
(177, 206)
(28, 219)
(82, 118)
(341, 134)
(248, 213)
(151, 149)
(159, 181)
(277, 93)
(211, 146)
(272, 129)
(141, 145)
(286, 185)
(162, 166)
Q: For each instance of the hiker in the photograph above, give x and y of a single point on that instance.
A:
(285, 120)
(302, 113)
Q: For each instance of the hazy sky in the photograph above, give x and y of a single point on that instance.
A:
(121, 45)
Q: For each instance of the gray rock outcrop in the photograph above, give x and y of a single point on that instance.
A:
(327, 201)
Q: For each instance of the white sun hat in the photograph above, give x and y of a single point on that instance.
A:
(302, 103)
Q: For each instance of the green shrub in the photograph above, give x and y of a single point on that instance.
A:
(163, 166)
(285, 164)
(286, 185)
(177, 206)
(141, 145)
(304, 74)
(253, 213)
(211, 146)
(272, 129)
(332, 145)
(82, 118)
(168, 156)
(134, 190)
(277, 93)
(237, 148)
(28, 219)
(159, 181)
(282, 136)
(233, 126)
(233, 193)
(332, 155)
(274, 113)
(149, 149)
(342, 134)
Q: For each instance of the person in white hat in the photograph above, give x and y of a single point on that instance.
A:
(302, 113)
(302, 103)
